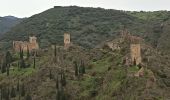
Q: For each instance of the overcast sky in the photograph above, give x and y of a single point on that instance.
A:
(27, 8)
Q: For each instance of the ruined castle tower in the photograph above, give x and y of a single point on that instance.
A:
(24, 45)
(66, 40)
(135, 51)
(33, 39)
(33, 43)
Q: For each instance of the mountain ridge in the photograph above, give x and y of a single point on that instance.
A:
(7, 22)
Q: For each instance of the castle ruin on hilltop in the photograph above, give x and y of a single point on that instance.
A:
(135, 51)
(126, 36)
(67, 42)
(24, 45)
(135, 46)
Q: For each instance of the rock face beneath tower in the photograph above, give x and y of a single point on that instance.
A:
(24, 45)
(135, 51)
(67, 40)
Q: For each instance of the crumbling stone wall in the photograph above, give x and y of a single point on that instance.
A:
(113, 45)
(126, 36)
(24, 45)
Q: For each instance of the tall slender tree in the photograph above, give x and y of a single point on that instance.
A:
(63, 79)
(28, 97)
(23, 90)
(28, 52)
(34, 62)
(18, 85)
(3, 66)
(57, 82)
(76, 68)
(55, 53)
(21, 53)
(13, 94)
(83, 67)
(8, 59)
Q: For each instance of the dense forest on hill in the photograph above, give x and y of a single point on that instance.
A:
(87, 26)
(89, 69)
(90, 26)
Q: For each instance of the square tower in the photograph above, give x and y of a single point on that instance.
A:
(33, 39)
(135, 51)
(66, 40)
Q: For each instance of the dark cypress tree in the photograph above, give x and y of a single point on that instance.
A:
(34, 62)
(21, 53)
(28, 53)
(83, 67)
(62, 96)
(63, 79)
(76, 68)
(28, 97)
(13, 94)
(1, 93)
(58, 95)
(3, 67)
(134, 62)
(18, 85)
(23, 90)
(57, 82)
(8, 59)
(18, 65)
(80, 70)
(50, 74)
(8, 94)
(7, 69)
(55, 53)
(22, 63)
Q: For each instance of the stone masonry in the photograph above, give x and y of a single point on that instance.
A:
(66, 40)
(24, 45)
(135, 51)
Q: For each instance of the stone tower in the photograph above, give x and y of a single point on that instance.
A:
(66, 40)
(33, 39)
(33, 45)
(135, 51)
(24, 45)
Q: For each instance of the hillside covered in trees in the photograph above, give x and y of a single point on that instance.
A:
(7, 22)
(88, 26)
(88, 70)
